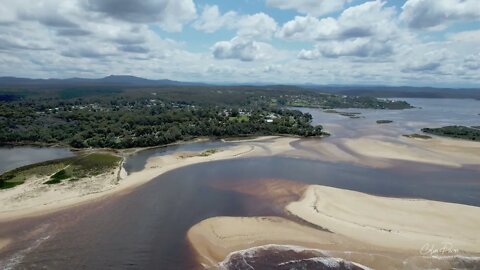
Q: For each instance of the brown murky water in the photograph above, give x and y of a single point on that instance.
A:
(145, 229)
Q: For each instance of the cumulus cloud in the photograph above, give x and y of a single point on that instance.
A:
(472, 62)
(422, 14)
(366, 30)
(366, 42)
(259, 25)
(311, 7)
(241, 49)
(358, 47)
(169, 14)
(466, 36)
(429, 62)
(368, 19)
(212, 20)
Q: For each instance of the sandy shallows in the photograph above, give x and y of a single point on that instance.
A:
(392, 223)
(213, 239)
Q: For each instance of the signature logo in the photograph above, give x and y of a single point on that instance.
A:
(444, 248)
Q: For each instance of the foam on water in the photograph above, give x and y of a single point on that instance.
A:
(285, 257)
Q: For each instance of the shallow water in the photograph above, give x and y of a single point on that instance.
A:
(146, 228)
(18, 156)
(427, 113)
(137, 161)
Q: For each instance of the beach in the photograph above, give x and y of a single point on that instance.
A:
(34, 199)
(351, 225)
(338, 224)
(394, 223)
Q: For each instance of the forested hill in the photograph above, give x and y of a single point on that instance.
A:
(122, 116)
(400, 91)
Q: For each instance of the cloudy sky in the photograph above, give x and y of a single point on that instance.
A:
(412, 42)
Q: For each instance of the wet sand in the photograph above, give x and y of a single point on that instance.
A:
(393, 223)
(106, 227)
(377, 232)
(34, 199)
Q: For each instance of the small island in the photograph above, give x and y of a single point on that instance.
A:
(352, 115)
(417, 136)
(458, 132)
(384, 121)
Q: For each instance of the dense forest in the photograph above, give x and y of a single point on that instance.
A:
(459, 132)
(136, 117)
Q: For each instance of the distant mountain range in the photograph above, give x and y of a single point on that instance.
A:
(350, 90)
(109, 80)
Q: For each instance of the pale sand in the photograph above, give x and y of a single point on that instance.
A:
(213, 239)
(401, 224)
(438, 151)
(33, 198)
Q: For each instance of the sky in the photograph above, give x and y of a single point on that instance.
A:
(345, 42)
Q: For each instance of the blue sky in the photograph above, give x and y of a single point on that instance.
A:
(398, 42)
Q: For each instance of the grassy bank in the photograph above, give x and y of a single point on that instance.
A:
(57, 171)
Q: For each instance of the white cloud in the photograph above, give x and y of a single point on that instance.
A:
(368, 19)
(311, 7)
(259, 25)
(366, 43)
(241, 49)
(358, 47)
(437, 13)
(366, 30)
(309, 54)
(169, 14)
(211, 20)
(472, 62)
(308, 28)
(466, 36)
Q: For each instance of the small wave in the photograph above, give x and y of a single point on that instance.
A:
(285, 257)
(17, 258)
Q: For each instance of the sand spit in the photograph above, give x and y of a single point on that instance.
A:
(372, 231)
(438, 151)
(379, 151)
(213, 239)
(33, 198)
(399, 224)
(221, 242)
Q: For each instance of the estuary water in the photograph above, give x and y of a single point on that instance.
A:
(18, 156)
(146, 228)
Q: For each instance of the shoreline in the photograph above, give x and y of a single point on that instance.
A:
(359, 151)
(358, 227)
(53, 201)
(393, 223)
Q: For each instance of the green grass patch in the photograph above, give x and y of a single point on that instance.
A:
(81, 166)
(58, 177)
(209, 152)
(240, 118)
